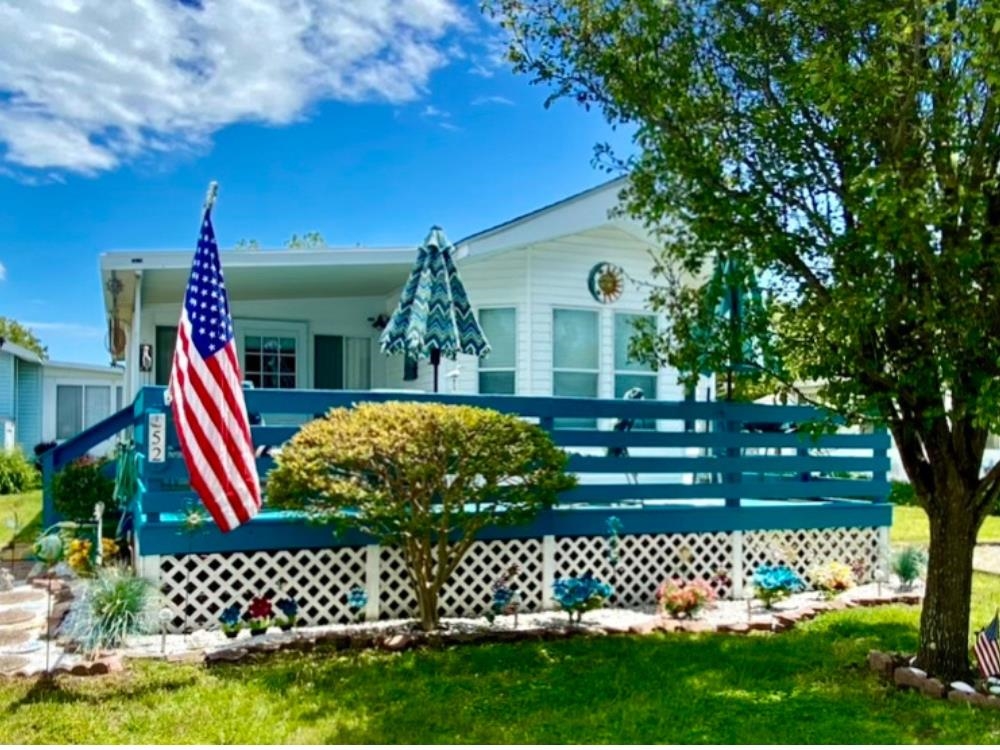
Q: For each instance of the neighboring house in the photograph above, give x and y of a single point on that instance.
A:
(43, 401)
(310, 318)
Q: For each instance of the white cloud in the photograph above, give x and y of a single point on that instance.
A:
(479, 101)
(3, 272)
(433, 112)
(66, 329)
(86, 85)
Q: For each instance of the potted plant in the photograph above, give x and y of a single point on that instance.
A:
(682, 598)
(289, 613)
(260, 615)
(232, 624)
(771, 583)
(357, 600)
(832, 578)
(578, 595)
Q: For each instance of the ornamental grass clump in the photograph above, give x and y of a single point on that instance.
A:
(772, 583)
(682, 598)
(578, 595)
(833, 578)
(908, 565)
(114, 605)
(420, 476)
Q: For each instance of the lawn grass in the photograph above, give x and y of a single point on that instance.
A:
(910, 526)
(28, 507)
(806, 686)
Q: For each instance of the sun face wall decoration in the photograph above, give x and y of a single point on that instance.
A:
(606, 282)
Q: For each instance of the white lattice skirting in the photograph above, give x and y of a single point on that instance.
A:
(200, 586)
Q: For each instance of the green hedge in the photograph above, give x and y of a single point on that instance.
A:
(17, 474)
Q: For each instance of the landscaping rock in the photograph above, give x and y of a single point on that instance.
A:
(910, 677)
(962, 687)
(667, 626)
(786, 619)
(882, 664)
(740, 628)
(6, 580)
(933, 688)
(396, 642)
(225, 655)
(646, 628)
(694, 626)
(80, 670)
(10, 663)
(761, 624)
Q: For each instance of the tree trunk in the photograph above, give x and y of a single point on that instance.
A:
(944, 621)
(427, 599)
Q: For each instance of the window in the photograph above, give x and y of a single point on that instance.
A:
(497, 369)
(342, 362)
(119, 398)
(269, 361)
(629, 373)
(575, 360)
(79, 407)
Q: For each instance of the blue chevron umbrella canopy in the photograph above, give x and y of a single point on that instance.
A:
(434, 316)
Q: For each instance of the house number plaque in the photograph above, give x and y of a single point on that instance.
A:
(157, 438)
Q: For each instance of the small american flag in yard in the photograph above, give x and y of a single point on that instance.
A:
(206, 394)
(987, 650)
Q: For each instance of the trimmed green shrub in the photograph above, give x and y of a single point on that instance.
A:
(79, 486)
(425, 477)
(901, 493)
(115, 604)
(17, 474)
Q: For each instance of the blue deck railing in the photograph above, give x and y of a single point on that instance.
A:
(742, 468)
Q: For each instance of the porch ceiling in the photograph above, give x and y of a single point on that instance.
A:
(284, 282)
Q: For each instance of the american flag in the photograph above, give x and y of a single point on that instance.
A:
(987, 650)
(206, 394)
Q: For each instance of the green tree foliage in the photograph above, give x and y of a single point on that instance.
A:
(425, 477)
(308, 241)
(15, 333)
(849, 152)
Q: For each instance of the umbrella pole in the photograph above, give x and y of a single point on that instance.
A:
(435, 361)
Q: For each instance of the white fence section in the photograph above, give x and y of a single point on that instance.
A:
(200, 586)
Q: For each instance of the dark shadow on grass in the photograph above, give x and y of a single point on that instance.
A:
(804, 686)
(50, 690)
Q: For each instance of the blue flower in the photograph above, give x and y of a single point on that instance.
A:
(230, 615)
(357, 598)
(289, 607)
(578, 595)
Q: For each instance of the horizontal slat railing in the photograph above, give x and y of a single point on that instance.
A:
(79, 445)
(764, 461)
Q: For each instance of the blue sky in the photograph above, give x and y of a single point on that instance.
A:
(366, 124)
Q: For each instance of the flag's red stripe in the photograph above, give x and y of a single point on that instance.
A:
(236, 406)
(204, 411)
(192, 454)
(240, 458)
(234, 465)
(201, 451)
(233, 474)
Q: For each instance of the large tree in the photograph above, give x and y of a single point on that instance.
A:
(849, 151)
(16, 333)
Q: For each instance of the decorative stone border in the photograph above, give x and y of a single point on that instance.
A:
(898, 670)
(397, 641)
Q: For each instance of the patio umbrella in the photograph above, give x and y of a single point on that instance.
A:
(434, 316)
(733, 298)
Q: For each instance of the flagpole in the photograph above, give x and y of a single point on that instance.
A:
(210, 195)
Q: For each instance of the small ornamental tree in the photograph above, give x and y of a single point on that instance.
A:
(425, 477)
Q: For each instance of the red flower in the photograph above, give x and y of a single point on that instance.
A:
(260, 608)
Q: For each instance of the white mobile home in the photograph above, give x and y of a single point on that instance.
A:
(312, 318)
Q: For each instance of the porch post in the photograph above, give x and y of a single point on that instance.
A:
(548, 570)
(736, 544)
(373, 555)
